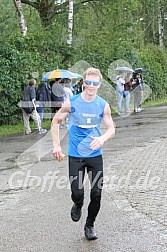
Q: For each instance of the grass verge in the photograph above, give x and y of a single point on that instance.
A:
(18, 128)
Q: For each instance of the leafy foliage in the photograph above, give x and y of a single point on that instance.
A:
(104, 31)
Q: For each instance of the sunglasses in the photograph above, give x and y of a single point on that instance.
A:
(95, 83)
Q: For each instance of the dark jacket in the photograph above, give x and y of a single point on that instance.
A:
(28, 96)
(29, 93)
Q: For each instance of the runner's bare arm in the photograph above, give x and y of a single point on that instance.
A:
(108, 121)
(110, 132)
(57, 119)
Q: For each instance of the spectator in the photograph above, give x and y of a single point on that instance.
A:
(120, 82)
(127, 89)
(57, 96)
(29, 110)
(75, 88)
(68, 95)
(43, 97)
(138, 92)
(67, 88)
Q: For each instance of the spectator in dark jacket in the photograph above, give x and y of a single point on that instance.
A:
(28, 108)
(43, 97)
(57, 96)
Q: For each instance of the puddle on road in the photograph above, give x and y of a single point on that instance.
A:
(141, 123)
(137, 124)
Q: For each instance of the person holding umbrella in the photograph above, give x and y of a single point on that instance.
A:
(57, 96)
(138, 88)
(138, 92)
(86, 111)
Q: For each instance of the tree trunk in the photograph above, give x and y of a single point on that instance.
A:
(22, 22)
(70, 23)
(160, 25)
(48, 9)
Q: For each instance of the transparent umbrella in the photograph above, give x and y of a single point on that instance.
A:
(124, 69)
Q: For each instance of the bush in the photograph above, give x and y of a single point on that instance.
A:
(155, 60)
(20, 60)
(24, 58)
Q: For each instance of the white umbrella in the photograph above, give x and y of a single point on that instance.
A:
(124, 69)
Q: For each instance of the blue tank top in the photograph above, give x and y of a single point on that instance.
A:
(84, 122)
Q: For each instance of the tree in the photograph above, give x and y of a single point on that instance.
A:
(154, 15)
(70, 22)
(22, 22)
(161, 24)
(48, 9)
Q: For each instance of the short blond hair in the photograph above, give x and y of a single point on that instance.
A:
(32, 82)
(93, 71)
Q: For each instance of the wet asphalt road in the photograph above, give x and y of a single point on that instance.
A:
(35, 212)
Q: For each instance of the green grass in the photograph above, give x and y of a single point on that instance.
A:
(19, 128)
(155, 103)
(6, 130)
(11, 129)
